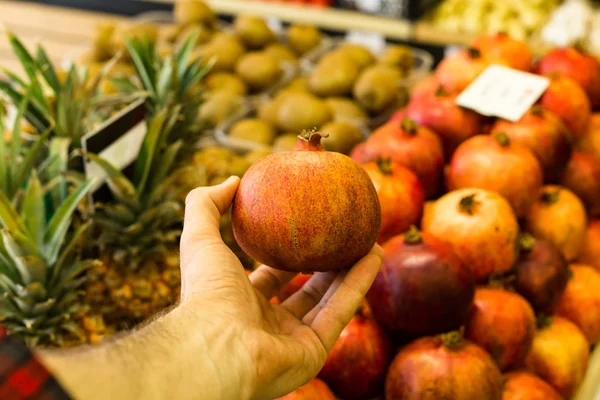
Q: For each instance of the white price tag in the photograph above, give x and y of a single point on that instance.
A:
(373, 41)
(275, 24)
(503, 92)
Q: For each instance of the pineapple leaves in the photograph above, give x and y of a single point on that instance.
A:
(34, 210)
(9, 218)
(135, 48)
(59, 159)
(4, 178)
(47, 69)
(182, 56)
(119, 185)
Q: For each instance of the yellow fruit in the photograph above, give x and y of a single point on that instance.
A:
(259, 70)
(341, 137)
(253, 31)
(377, 87)
(253, 129)
(280, 52)
(227, 82)
(359, 54)
(334, 75)
(194, 11)
(299, 111)
(303, 38)
(218, 107)
(285, 142)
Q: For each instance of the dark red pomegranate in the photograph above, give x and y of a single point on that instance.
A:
(577, 65)
(523, 385)
(590, 254)
(582, 177)
(481, 227)
(503, 324)
(400, 197)
(356, 366)
(422, 288)
(443, 367)
(458, 70)
(293, 286)
(541, 273)
(499, 48)
(306, 210)
(316, 389)
(545, 135)
(413, 146)
(494, 163)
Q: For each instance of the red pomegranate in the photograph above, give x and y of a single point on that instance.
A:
(443, 367)
(559, 354)
(441, 114)
(590, 143)
(426, 87)
(565, 98)
(313, 390)
(566, 213)
(503, 324)
(545, 135)
(413, 146)
(523, 385)
(306, 210)
(581, 67)
(590, 254)
(481, 227)
(494, 163)
(356, 366)
(580, 302)
(458, 70)
(500, 48)
(582, 177)
(400, 196)
(293, 286)
(541, 273)
(422, 288)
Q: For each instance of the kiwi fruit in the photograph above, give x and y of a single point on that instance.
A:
(259, 70)
(239, 166)
(341, 136)
(102, 42)
(218, 107)
(225, 81)
(298, 111)
(253, 129)
(334, 75)
(204, 34)
(361, 56)
(194, 11)
(397, 56)
(344, 109)
(256, 155)
(303, 38)
(253, 31)
(377, 87)
(225, 49)
(285, 142)
(281, 52)
(298, 84)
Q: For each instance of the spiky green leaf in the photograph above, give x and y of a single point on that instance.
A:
(34, 210)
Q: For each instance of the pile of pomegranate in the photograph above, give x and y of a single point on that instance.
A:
(490, 286)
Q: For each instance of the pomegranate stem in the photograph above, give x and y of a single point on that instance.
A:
(526, 242)
(412, 236)
(385, 165)
(409, 126)
(468, 203)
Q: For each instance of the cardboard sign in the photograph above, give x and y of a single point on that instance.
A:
(503, 92)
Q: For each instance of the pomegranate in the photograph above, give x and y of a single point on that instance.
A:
(582, 68)
(306, 210)
(494, 163)
(451, 122)
(590, 254)
(500, 48)
(503, 323)
(568, 100)
(426, 87)
(458, 70)
(541, 273)
(582, 177)
(400, 196)
(580, 302)
(356, 366)
(293, 286)
(590, 143)
(316, 389)
(443, 367)
(558, 216)
(559, 354)
(523, 385)
(545, 135)
(422, 288)
(413, 146)
(481, 227)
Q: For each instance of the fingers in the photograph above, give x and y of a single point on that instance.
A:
(310, 294)
(338, 310)
(269, 281)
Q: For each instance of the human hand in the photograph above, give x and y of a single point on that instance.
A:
(262, 350)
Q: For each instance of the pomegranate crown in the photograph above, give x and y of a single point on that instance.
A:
(526, 242)
(550, 196)
(502, 139)
(473, 52)
(409, 125)
(412, 236)
(453, 340)
(543, 321)
(312, 135)
(385, 165)
(468, 203)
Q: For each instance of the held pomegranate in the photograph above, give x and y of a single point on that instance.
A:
(581, 67)
(400, 196)
(545, 135)
(580, 302)
(499, 48)
(422, 288)
(590, 254)
(494, 163)
(443, 367)
(503, 324)
(523, 385)
(481, 227)
(590, 143)
(313, 390)
(356, 366)
(306, 210)
(558, 216)
(409, 144)
(582, 177)
(541, 273)
(568, 100)
(559, 354)
(293, 286)
(458, 70)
